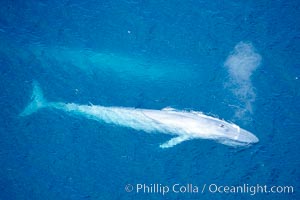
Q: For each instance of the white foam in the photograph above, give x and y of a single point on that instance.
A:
(241, 63)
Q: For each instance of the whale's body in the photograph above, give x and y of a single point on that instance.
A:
(184, 125)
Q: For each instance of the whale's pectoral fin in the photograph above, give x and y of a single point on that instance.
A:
(174, 141)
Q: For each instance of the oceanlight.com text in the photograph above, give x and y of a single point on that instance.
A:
(250, 189)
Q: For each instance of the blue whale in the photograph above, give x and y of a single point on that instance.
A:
(183, 125)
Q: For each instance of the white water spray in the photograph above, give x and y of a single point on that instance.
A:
(241, 64)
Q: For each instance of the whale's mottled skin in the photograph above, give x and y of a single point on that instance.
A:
(184, 125)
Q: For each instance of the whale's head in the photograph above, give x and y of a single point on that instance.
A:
(232, 135)
(222, 131)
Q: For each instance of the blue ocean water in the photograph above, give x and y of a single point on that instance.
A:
(235, 60)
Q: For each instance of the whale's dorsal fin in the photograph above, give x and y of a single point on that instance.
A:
(174, 141)
(169, 109)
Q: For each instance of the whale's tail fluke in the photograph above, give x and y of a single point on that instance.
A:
(37, 100)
